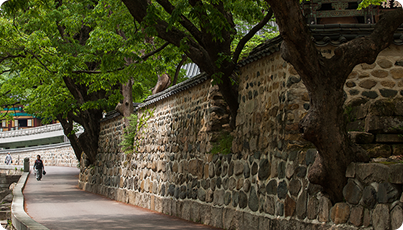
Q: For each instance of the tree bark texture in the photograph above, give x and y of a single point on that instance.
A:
(162, 84)
(126, 108)
(325, 125)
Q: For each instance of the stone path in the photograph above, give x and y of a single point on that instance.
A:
(57, 203)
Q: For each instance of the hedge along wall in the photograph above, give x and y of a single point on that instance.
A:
(263, 183)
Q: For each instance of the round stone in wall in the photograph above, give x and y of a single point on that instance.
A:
(264, 169)
(271, 187)
(370, 94)
(397, 73)
(253, 200)
(388, 92)
(294, 187)
(367, 84)
(243, 200)
(282, 190)
(369, 197)
(227, 198)
(352, 192)
(235, 198)
(384, 64)
(379, 73)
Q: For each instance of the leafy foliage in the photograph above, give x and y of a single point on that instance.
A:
(46, 41)
(66, 60)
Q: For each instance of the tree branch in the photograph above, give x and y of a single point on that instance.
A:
(198, 53)
(297, 47)
(5, 71)
(366, 49)
(97, 72)
(169, 8)
(146, 56)
(143, 57)
(10, 57)
(250, 34)
(40, 62)
(178, 68)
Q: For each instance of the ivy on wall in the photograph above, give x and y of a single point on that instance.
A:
(133, 134)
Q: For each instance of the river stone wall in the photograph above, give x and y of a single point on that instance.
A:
(56, 155)
(263, 183)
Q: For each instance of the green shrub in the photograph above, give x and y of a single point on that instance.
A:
(224, 145)
(133, 134)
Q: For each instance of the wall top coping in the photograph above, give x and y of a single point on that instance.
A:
(323, 35)
(191, 82)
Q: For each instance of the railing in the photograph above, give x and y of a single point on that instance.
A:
(31, 131)
(34, 148)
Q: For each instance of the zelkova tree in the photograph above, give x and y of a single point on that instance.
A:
(206, 29)
(44, 82)
(324, 78)
(69, 59)
(208, 32)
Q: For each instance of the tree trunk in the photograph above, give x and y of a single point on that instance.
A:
(67, 129)
(229, 91)
(87, 142)
(90, 120)
(126, 108)
(162, 84)
(325, 127)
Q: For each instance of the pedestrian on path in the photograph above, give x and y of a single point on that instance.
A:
(39, 167)
(9, 159)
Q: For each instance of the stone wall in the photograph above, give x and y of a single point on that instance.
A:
(263, 183)
(55, 155)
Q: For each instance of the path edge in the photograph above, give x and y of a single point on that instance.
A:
(19, 218)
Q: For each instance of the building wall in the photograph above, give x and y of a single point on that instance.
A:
(62, 155)
(263, 183)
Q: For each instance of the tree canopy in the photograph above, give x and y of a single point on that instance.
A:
(210, 33)
(68, 59)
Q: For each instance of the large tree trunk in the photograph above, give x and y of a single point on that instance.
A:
(89, 119)
(324, 125)
(68, 128)
(87, 142)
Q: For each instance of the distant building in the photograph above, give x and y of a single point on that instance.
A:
(22, 120)
(344, 11)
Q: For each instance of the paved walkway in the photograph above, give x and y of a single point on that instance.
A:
(57, 203)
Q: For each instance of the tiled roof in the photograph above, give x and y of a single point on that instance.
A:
(175, 89)
(323, 35)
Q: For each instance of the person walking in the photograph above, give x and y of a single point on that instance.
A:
(39, 167)
(9, 159)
